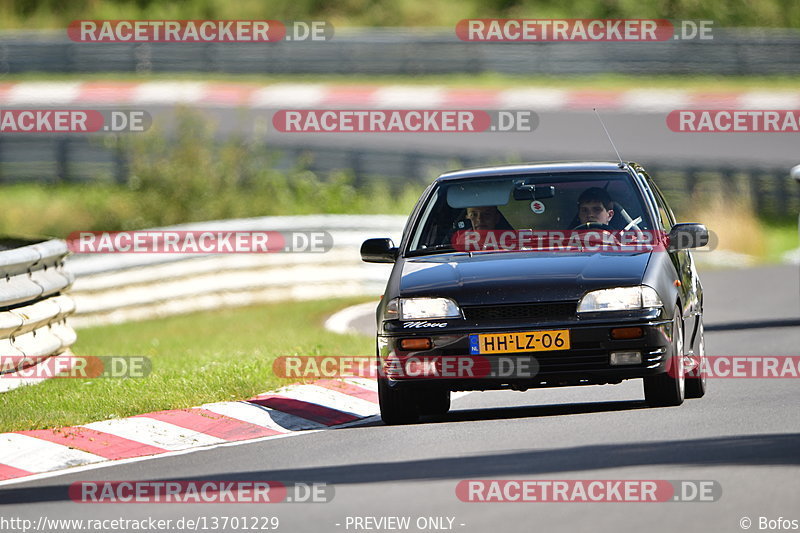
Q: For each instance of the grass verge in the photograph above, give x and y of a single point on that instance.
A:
(197, 358)
(486, 80)
(62, 209)
(736, 225)
(780, 236)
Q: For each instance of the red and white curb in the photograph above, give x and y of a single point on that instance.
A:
(343, 321)
(285, 412)
(310, 95)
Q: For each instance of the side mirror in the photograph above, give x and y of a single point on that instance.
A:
(378, 251)
(687, 235)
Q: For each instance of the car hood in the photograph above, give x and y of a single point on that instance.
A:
(517, 277)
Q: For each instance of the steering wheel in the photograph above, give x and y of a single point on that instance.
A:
(604, 228)
(594, 225)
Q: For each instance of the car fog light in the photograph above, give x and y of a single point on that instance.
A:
(626, 358)
(627, 333)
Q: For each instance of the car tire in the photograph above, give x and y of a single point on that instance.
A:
(668, 389)
(398, 406)
(696, 381)
(434, 402)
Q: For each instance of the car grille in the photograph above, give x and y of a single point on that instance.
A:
(540, 312)
(575, 362)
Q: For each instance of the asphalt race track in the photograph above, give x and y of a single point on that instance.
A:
(745, 435)
(560, 135)
(574, 135)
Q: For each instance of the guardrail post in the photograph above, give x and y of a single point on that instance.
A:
(781, 193)
(121, 170)
(62, 157)
(755, 190)
(356, 159)
(5, 68)
(142, 54)
(691, 180)
(412, 169)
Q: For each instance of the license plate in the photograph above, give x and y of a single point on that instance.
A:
(524, 341)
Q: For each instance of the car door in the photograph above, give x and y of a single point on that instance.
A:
(684, 264)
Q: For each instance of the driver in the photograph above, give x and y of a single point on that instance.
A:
(595, 205)
(483, 218)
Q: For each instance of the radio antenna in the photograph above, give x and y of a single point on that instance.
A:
(608, 135)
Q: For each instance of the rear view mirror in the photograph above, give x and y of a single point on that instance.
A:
(687, 235)
(378, 251)
(525, 191)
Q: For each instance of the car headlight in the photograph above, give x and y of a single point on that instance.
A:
(620, 299)
(423, 308)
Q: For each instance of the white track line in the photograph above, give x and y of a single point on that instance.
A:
(280, 95)
(536, 99)
(651, 100)
(42, 93)
(160, 92)
(770, 100)
(401, 97)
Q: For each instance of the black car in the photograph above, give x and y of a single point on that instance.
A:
(506, 279)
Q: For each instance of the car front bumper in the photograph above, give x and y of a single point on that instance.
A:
(450, 365)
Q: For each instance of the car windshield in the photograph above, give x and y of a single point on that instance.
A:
(609, 202)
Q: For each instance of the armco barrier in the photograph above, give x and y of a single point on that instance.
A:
(80, 160)
(33, 306)
(405, 51)
(114, 288)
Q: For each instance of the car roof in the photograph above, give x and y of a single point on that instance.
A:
(538, 168)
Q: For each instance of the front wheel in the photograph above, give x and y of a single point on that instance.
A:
(668, 389)
(398, 406)
(696, 383)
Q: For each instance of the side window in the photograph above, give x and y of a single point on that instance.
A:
(425, 232)
(664, 212)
